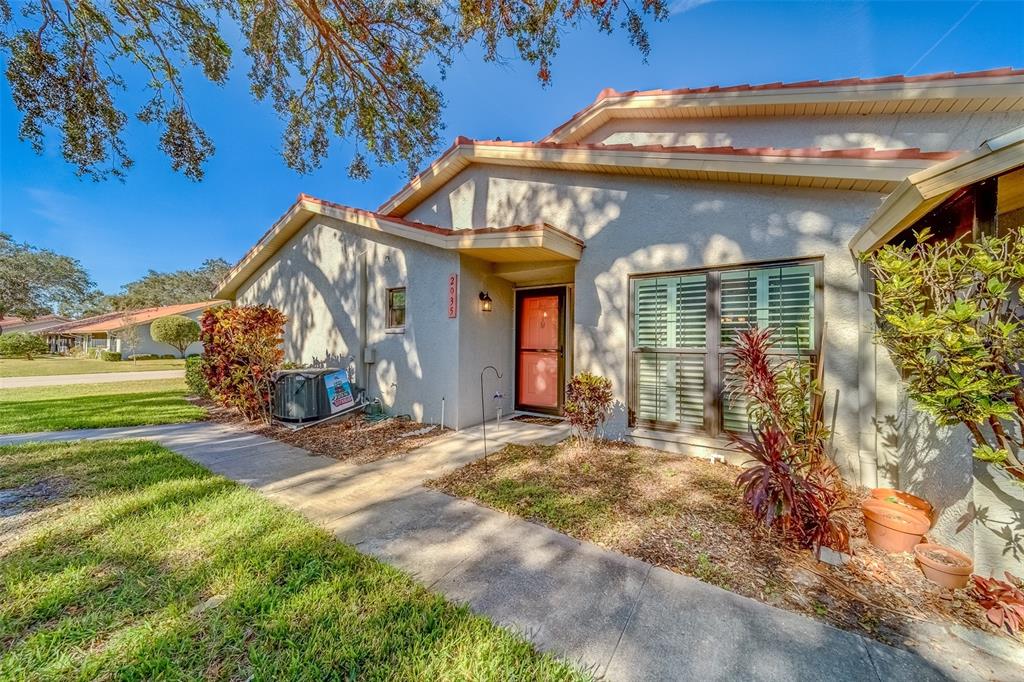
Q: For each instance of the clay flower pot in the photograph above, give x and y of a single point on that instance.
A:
(905, 501)
(891, 527)
(943, 565)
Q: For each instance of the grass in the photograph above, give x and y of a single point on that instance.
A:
(53, 365)
(147, 566)
(88, 406)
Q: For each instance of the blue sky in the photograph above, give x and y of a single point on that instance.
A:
(161, 220)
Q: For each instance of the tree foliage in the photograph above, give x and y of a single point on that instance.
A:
(331, 69)
(35, 281)
(22, 344)
(170, 288)
(950, 314)
(177, 331)
(241, 351)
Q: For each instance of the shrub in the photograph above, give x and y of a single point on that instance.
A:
(949, 313)
(110, 356)
(20, 344)
(588, 400)
(177, 331)
(143, 356)
(789, 485)
(194, 376)
(1003, 601)
(167, 356)
(242, 350)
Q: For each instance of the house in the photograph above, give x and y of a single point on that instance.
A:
(636, 238)
(106, 331)
(44, 326)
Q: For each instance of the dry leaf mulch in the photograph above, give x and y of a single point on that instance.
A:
(686, 514)
(352, 438)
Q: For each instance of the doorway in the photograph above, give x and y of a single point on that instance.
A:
(540, 350)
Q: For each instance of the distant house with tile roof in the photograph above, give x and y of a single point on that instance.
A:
(101, 332)
(637, 238)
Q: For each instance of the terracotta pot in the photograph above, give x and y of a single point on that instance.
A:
(944, 565)
(891, 527)
(904, 501)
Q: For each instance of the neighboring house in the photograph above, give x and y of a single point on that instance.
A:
(636, 239)
(45, 326)
(105, 332)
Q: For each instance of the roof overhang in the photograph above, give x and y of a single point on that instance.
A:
(995, 90)
(864, 170)
(921, 192)
(514, 244)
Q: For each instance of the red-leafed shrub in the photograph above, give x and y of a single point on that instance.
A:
(588, 399)
(1003, 601)
(790, 486)
(241, 352)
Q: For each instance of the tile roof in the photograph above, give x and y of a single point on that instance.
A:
(113, 321)
(609, 93)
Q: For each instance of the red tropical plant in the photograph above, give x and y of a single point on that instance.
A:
(241, 352)
(790, 486)
(588, 399)
(1003, 601)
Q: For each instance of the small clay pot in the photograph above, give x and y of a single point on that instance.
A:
(905, 501)
(944, 565)
(891, 527)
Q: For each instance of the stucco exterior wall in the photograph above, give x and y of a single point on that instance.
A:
(147, 346)
(633, 225)
(930, 132)
(485, 339)
(317, 279)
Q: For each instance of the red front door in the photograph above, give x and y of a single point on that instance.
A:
(540, 337)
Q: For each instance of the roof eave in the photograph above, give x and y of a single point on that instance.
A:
(919, 193)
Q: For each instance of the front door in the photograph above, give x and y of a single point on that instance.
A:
(540, 356)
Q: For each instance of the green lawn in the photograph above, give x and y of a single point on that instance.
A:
(111, 579)
(89, 406)
(52, 365)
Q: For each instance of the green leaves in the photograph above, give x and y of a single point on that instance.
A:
(949, 314)
(333, 71)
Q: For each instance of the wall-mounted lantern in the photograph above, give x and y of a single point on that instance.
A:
(485, 302)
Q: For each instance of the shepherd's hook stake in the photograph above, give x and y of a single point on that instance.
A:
(483, 414)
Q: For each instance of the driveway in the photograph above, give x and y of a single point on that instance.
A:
(98, 378)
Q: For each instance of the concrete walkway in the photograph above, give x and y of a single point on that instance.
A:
(93, 378)
(620, 617)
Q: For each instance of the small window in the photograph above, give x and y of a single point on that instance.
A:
(396, 308)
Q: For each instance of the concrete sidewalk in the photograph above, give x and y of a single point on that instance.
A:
(93, 378)
(620, 617)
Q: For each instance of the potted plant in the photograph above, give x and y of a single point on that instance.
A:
(892, 528)
(905, 501)
(943, 565)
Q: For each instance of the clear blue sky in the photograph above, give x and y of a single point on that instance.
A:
(159, 219)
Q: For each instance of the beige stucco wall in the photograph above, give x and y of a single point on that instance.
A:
(147, 346)
(316, 280)
(930, 132)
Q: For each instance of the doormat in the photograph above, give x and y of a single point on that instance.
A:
(531, 419)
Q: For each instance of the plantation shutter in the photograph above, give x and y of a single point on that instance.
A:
(678, 371)
(670, 335)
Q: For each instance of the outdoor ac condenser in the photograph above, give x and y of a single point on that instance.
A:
(300, 395)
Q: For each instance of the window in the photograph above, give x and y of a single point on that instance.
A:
(682, 328)
(396, 308)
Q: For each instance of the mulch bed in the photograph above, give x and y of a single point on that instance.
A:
(685, 514)
(352, 438)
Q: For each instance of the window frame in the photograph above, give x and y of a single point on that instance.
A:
(714, 353)
(389, 324)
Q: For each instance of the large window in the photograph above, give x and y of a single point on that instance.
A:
(683, 326)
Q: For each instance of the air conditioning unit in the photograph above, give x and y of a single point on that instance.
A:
(300, 395)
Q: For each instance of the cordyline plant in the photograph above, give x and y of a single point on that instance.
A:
(241, 352)
(588, 399)
(1003, 601)
(950, 315)
(789, 483)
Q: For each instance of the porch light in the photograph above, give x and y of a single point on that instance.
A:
(485, 302)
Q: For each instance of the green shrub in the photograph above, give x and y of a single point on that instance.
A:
(194, 376)
(144, 356)
(167, 356)
(110, 356)
(20, 344)
(177, 331)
